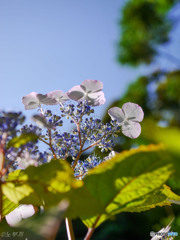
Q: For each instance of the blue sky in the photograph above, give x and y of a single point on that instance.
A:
(48, 45)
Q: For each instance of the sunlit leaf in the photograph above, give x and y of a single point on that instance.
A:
(128, 181)
(46, 185)
(7, 206)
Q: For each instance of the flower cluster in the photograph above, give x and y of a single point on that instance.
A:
(82, 167)
(9, 122)
(89, 132)
(66, 144)
(52, 119)
(27, 154)
(99, 134)
(76, 112)
(90, 90)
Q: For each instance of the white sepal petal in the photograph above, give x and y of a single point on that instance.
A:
(58, 95)
(100, 100)
(133, 111)
(76, 93)
(131, 129)
(117, 114)
(92, 85)
(31, 101)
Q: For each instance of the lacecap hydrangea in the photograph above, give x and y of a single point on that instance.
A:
(78, 104)
(87, 132)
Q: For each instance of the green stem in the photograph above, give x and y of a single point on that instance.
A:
(69, 229)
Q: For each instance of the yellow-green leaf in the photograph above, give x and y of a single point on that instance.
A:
(126, 181)
(21, 140)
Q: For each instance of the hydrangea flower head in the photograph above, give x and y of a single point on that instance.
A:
(128, 117)
(90, 90)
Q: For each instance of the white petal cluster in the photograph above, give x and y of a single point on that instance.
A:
(128, 117)
(19, 213)
(34, 100)
(90, 90)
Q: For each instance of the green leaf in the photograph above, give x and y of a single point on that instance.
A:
(22, 139)
(110, 188)
(159, 197)
(126, 181)
(47, 185)
(36, 182)
(8, 206)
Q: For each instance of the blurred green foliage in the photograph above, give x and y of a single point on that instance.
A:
(144, 25)
(159, 96)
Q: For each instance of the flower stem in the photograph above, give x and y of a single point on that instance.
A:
(69, 229)
(89, 233)
(40, 139)
(50, 143)
(77, 158)
(94, 144)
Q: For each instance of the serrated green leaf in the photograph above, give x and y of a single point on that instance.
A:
(124, 182)
(22, 139)
(159, 197)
